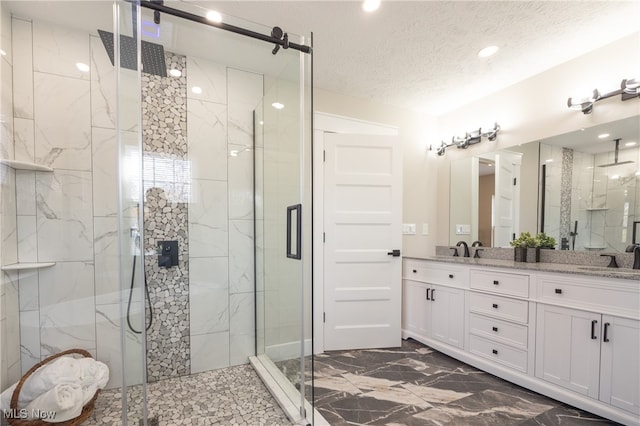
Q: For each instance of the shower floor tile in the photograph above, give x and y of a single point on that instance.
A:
(230, 396)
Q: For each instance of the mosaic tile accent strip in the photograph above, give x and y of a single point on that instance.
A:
(167, 188)
(230, 396)
(566, 185)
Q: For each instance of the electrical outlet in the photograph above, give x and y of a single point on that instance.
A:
(409, 228)
(463, 229)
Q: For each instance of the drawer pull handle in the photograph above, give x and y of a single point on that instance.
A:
(495, 351)
(414, 271)
(495, 329)
(428, 294)
(496, 282)
(451, 276)
(605, 338)
(433, 294)
(558, 291)
(495, 306)
(593, 329)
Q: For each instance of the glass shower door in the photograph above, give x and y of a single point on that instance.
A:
(283, 230)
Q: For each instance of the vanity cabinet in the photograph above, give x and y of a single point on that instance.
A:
(589, 353)
(433, 303)
(572, 337)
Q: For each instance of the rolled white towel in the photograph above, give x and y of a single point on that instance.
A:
(63, 370)
(102, 375)
(63, 400)
(88, 392)
(93, 373)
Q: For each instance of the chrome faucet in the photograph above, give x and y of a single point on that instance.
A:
(466, 247)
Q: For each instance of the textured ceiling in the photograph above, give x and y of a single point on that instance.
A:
(423, 54)
(416, 54)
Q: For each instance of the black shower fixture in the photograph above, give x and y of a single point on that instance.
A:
(156, 13)
(629, 89)
(277, 33)
(152, 54)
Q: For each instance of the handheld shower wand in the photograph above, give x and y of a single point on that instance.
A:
(137, 251)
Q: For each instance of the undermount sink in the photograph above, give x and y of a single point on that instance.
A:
(612, 270)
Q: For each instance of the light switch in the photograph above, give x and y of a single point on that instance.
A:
(409, 228)
(425, 229)
(463, 229)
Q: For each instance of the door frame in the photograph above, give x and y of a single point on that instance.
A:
(329, 123)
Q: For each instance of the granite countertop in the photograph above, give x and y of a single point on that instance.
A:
(595, 271)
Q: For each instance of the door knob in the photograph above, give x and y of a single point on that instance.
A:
(394, 253)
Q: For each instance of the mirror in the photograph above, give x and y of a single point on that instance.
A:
(569, 186)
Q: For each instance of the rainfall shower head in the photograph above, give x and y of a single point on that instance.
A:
(152, 54)
(615, 158)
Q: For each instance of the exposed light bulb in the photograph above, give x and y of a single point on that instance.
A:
(214, 16)
(630, 144)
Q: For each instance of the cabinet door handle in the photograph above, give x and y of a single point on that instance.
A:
(433, 294)
(558, 291)
(496, 282)
(451, 276)
(428, 294)
(593, 329)
(605, 338)
(495, 329)
(495, 306)
(495, 351)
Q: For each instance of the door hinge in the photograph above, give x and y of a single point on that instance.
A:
(514, 181)
(324, 156)
(324, 317)
(324, 237)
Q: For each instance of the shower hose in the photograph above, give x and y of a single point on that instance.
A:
(146, 290)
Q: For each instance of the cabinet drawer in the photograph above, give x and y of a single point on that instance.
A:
(500, 282)
(498, 330)
(500, 307)
(436, 273)
(511, 357)
(595, 295)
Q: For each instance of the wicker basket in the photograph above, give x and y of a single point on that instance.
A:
(87, 410)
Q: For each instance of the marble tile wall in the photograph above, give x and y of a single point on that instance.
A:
(69, 216)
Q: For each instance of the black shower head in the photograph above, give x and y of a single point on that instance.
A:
(152, 54)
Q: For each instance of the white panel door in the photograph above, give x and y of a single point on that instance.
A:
(507, 165)
(362, 217)
(568, 348)
(620, 368)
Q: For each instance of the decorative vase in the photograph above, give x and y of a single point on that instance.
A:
(520, 254)
(533, 254)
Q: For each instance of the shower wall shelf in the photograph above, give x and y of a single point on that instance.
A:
(23, 165)
(597, 209)
(23, 266)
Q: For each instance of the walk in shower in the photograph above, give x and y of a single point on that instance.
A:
(156, 204)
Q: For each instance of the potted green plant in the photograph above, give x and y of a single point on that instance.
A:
(545, 241)
(526, 248)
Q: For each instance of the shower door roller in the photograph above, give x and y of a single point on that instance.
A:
(298, 253)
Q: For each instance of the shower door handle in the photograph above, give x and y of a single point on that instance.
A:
(297, 208)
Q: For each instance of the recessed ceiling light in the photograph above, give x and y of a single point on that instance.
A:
(261, 122)
(630, 144)
(197, 90)
(82, 66)
(550, 160)
(370, 5)
(488, 51)
(214, 16)
(175, 73)
(2, 52)
(604, 135)
(277, 105)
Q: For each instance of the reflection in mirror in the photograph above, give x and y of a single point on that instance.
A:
(589, 189)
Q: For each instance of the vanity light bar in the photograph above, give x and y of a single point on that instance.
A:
(629, 89)
(470, 138)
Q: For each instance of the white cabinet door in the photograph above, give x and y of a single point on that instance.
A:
(568, 348)
(620, 365)
(415, 315)
(447, 315)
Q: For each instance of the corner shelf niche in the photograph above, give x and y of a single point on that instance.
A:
(26, 265)
(23, 165)
(597, 209)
